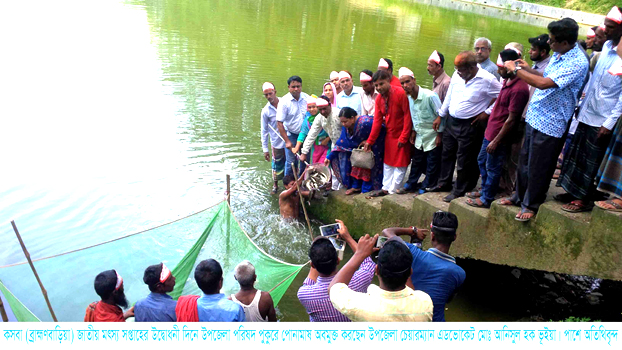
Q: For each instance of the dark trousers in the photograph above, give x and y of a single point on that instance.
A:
(490, 167)
(508, 174)
(461, 145)
(536, 165)
(425, 162)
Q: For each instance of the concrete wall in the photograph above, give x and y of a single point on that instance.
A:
(578, 244)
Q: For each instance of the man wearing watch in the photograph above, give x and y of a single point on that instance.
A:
(434, 271)
(549, 112)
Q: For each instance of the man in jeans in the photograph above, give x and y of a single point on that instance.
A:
(505, 115)
(289, 117)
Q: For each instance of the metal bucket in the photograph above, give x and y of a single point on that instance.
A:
(317, 168)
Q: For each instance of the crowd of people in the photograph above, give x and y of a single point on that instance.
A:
(414, 285)
(506, 122)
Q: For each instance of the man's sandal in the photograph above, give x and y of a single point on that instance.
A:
(522, 212)
(576, 207)
(477, 203)
(473, 194)
(609, 205)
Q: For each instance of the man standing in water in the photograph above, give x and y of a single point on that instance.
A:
(269, 128)
(289, 203)
(289, 117)
(440, 85)
(109, 286)
(482, 48)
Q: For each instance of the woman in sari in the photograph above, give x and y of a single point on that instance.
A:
(355, 131)
(329, 90)
(321, 146)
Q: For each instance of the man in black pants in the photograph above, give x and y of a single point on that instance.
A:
(466, 108)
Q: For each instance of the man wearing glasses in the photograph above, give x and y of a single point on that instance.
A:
(482, 48)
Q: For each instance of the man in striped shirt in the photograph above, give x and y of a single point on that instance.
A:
(313, 294)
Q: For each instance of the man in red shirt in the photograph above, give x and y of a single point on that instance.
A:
(109, 286)
(386, 64)
(505, 115)
(392, 109)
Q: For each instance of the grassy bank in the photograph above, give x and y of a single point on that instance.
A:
(591, 6)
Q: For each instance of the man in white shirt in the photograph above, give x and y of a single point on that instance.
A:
(350, 96)
(269, 128)
(466, 108)
(289, 117)
(369, 94)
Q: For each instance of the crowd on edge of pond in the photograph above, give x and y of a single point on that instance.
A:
(509, 123)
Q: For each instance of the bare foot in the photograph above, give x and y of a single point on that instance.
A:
(352, 191)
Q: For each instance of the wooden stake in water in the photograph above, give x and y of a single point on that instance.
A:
(32, 266)
(229, 189)
(302, 201)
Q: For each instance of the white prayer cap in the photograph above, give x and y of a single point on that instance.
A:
(334, 75)
(267, 86)
(311, 101)
(602, 27)
(405, 71)
(344, 74)
(590, 33)
(364, 77)
(383, 64)
(513, 48)
(615, 15)
(616, 68)
(320, 102)
(434, 57)
(500, 61)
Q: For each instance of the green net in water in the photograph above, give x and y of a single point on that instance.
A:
(213, 233)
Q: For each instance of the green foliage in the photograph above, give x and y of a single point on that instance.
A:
(576, 319)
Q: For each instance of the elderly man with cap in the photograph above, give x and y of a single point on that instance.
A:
(599, 114)
(441, 81)
(386, 64)
(426, 155)
(434, 271)
(350, 96)
(334, 79)
(269, 129)
(289, 117)
(157, 306)
(466, 108)
(393, 111)
(258, 306)
(549, 112)
(394, 299)
(368, 97)
(109, 287)
(483, 48)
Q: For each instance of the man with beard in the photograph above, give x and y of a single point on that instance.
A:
(157, 306)
(109, 286)
(599, 40)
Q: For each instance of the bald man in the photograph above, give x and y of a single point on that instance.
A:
(466, 109)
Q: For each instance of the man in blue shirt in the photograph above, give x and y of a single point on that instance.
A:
(434, 271)
(157, 306)
(213, 306)
(548, 115)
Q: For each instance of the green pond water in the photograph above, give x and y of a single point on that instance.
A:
(119, 116)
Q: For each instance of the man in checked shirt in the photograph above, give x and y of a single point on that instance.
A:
(313, 294)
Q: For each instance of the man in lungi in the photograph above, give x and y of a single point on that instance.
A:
(269, 128)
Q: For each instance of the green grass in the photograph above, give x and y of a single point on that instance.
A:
(592, 6)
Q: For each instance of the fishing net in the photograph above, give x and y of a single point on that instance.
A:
(212, 233)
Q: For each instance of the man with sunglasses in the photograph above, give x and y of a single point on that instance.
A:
(434, 271)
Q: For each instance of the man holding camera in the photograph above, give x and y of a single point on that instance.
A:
(434, 271)
(392, 300)
(313, 294)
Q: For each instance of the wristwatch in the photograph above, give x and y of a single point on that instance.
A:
(516, 69)
(414, 239)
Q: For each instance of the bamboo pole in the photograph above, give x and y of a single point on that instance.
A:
(229, 189)
(32, 266)
(5, 318)
(302, 201)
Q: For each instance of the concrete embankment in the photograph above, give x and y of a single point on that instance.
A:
(573, 243)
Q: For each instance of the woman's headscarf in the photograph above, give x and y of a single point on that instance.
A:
(333, 103)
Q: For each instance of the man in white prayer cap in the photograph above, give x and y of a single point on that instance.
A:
(426, 140)
(369, 92)
(269, 129)
(441, 81)
(350, 96)
(334, 78)
(387, 65)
